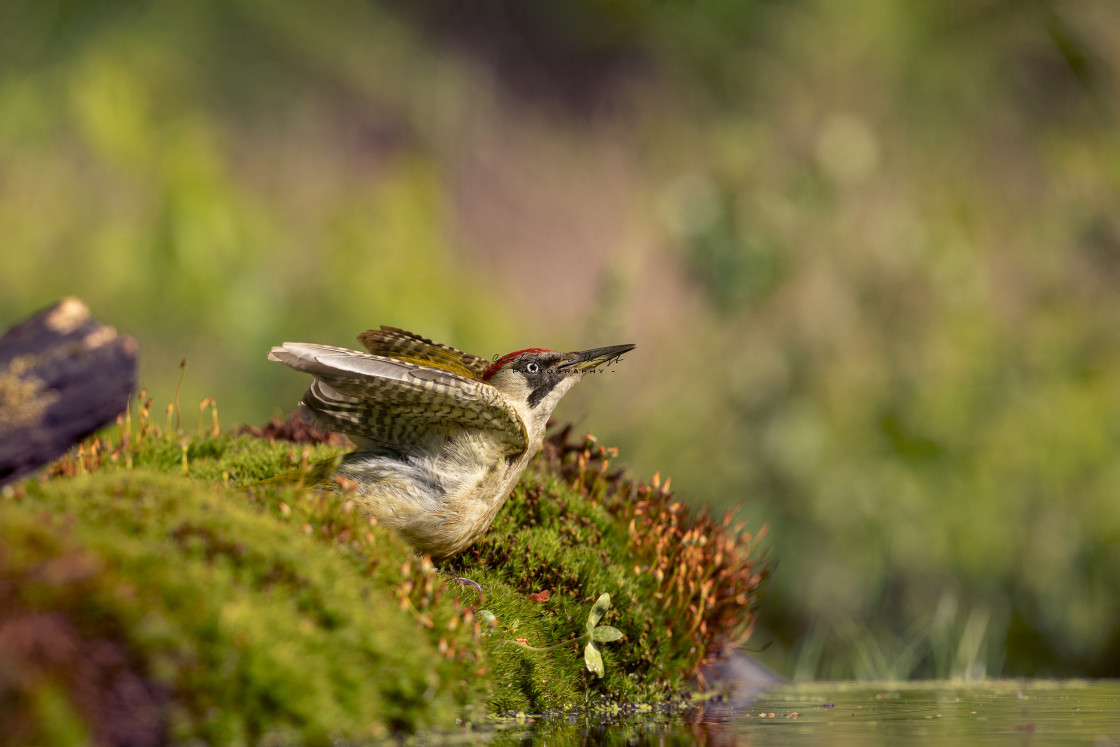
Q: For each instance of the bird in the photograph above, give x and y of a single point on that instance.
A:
(442, 436)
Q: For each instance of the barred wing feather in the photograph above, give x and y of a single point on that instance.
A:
(395, 403)
(391, 342)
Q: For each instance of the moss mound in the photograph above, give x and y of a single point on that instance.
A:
(145, 596)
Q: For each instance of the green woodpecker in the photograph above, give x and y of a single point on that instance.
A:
(442, 436)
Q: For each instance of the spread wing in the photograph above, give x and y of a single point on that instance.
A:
(390, 342)
(395, 403)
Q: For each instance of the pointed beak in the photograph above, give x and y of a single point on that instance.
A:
(585, 360)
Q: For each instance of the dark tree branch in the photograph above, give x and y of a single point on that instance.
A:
(63, 375)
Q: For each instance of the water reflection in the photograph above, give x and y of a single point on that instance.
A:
(1012, 712)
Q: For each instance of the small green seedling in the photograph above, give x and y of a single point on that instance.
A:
(595, 634)
(598, 634)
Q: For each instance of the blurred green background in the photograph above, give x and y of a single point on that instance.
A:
(869, 252)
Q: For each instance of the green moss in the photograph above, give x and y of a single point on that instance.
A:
(278, 611)
(254, 627)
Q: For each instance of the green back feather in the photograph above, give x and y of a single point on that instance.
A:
(398, 344)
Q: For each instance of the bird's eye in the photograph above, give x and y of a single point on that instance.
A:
(532, 367)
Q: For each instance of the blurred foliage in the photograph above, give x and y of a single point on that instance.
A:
(926, 399)
(868, 251)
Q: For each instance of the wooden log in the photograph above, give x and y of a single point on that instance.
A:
(63, 375)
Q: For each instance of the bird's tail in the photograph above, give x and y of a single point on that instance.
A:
(313, 475)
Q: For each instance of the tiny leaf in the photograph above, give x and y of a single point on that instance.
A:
(593, 659)
(602, 604)
(605, 634)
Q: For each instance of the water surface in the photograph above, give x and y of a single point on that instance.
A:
(1011, 712)
(1027, 712)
